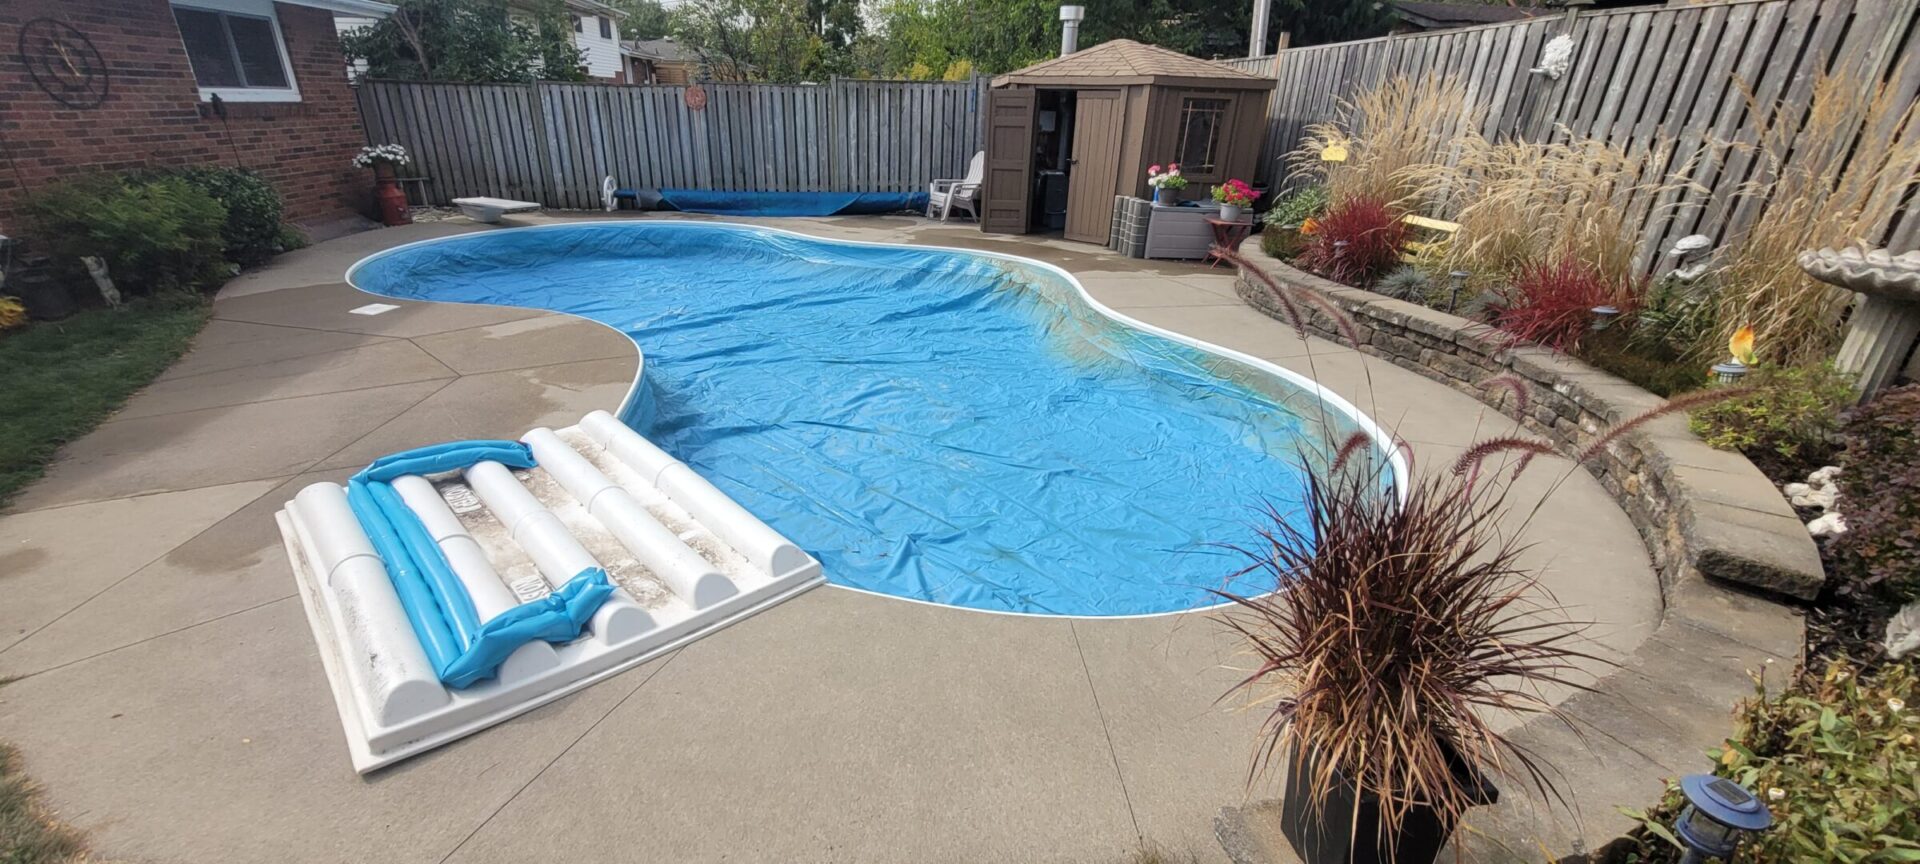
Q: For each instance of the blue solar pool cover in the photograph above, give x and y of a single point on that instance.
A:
(932, 424)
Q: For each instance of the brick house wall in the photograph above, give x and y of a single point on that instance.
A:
(153, 115)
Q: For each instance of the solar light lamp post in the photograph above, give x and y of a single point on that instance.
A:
(1719, 814)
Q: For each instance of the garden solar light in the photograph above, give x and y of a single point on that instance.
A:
(1603, 316)
(1729, 372)
(1741, 347)
(1456, 280)
(1719, 813)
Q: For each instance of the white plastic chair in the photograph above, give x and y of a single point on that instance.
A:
(961, 192)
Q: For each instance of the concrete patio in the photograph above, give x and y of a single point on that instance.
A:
(173, 705)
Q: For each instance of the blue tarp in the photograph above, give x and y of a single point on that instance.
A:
(725, 203)
(463, 650)
(932, 424)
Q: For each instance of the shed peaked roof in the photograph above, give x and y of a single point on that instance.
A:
(1124, 61)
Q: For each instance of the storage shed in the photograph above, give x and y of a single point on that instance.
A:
(1067, 135)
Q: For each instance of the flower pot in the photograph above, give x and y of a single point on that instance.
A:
(44, 297)
(1345, 826)
(388, 195)
(1231, 212)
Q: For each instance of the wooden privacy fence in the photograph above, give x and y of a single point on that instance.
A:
(1678, 77)
(553, 142)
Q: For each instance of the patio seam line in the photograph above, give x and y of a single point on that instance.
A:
(1112, 752)
(378, 340)
(139, 495)
(313, 466)
(531, 313)
(277, 482)
(144, 640)
(451, 376)
(628, 351)
(560, 755)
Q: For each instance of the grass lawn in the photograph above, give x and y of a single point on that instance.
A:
(59, 379)
(27, 835)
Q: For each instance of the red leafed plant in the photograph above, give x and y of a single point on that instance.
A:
(1552, 303)
(1355, 242)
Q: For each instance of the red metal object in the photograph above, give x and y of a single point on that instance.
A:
(392, 201)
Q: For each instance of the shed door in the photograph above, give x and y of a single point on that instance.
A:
(1009, 181)
(1099, 116)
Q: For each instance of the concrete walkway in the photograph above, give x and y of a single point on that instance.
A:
(174, 706)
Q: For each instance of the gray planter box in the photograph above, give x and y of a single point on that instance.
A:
(1181, 232)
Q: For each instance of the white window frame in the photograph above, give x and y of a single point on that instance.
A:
(254, 9)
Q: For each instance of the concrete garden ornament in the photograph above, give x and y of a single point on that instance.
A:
(97, 268)
(1556, 58)
(1886, 321)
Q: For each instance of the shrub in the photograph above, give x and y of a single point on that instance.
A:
(1785, 422)
(1678, 317)
(1829, 173)
(1880, 493)
(155, 233)
(1355, 242)
(1834, 759)
(253, 232)
(1307, 202)
(1552, 303)
(1522, 202)
(1406, 283)
(1390, 131)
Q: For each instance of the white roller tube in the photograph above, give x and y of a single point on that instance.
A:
(690, 577)
(538, 531)
(384, 663)
(625, 444)
(762, 546)
(552, 547)
(469, 562)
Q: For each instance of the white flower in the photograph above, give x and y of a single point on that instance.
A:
(392, 154)
(1896, 706)
(1776, 794)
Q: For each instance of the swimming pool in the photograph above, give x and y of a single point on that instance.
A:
(954, 427)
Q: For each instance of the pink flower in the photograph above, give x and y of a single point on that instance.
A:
(1153, 169)
(1173, 166)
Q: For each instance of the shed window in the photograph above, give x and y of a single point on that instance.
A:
(234, 55)
(1200, 123)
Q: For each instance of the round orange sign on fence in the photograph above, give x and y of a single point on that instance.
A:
(696, 97)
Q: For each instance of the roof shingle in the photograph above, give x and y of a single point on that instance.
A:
(1125, 58)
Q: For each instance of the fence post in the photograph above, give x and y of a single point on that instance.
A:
(542, 145)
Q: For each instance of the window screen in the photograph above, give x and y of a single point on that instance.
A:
(1200, 124)
(231, 50)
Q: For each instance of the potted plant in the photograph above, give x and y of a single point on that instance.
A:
(1163, 181)
(385, 160)
(1403, 617)
(1234, 196)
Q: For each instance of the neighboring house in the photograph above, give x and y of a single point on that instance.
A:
(596, 32)
(659, 61)
(100, 85)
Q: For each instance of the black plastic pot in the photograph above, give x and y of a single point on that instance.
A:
(1345, 827)
(43, 295)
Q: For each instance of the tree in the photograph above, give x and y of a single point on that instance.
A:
(919, 38)
(646, 19)
(468, 40)
(771, 40)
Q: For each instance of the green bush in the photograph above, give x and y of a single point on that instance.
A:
(155, 233)
(1834, 758)
(1786, 424)
(1307, 202)
(1880, 493)
(253, 232)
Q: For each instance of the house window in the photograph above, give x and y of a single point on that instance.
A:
(606, 26)
(1201, 122)
(579, 23)
(236, 51)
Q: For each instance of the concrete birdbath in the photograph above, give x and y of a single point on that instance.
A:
(1886, 321)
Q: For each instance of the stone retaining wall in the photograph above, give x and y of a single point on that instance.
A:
(1701, 511)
